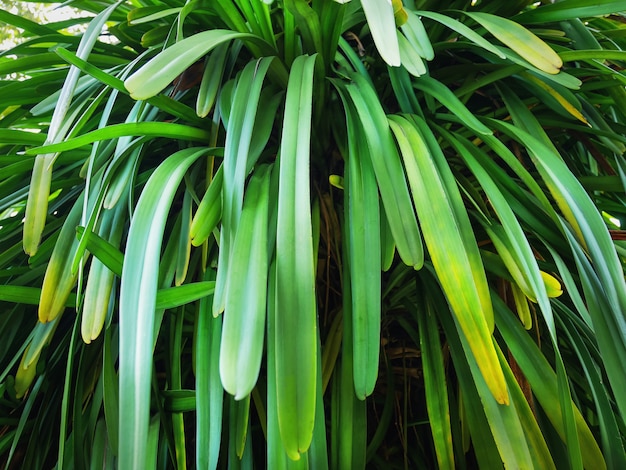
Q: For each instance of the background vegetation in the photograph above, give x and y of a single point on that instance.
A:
(314, 234)
(37, 12)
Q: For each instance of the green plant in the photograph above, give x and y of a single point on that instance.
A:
(347, 216)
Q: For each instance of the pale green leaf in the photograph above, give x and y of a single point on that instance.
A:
(245, 301)
(138, 303)
(157, 74)
(296, 340)
(380, 18)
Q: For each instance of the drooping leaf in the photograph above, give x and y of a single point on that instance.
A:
(157, 74)
(296, 341)
(380, 18)
(436, 208)
(138, 303)
(521, 40)
(243, 336)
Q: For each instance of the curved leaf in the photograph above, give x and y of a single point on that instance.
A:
(138, 295)
(521, 40)
(157, 74)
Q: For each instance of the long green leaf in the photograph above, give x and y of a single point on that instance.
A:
(607, 323)
(238, 161)
(110, 385)
(364, 258)
(543, 381)
(184, 241)
(537, 447)
(504, 421)
(471, 411)
(15, 136)
(411, 60)
(39, 189)
(276, 455)
(165, 103)
(416, 34)
(444, 95)
(59, 278)
(580, 212)
(318, 452)
(172, 297)
(110, 256)
(435, 385)
(568, 10)
(157, 74)
(209, 210)
(100, 279)
(463, 30)
(245, 303)
(37, 203)
(454, 256)
(138, 303)
(308, 22)
(24, 23)
(153, 129)
(509, 240)
(612, 446)
(209, 392)
(389, 174)
(528, 274)
(211, 79)
(351, 426)
(25, 295)
(521, 40)
(296, 341)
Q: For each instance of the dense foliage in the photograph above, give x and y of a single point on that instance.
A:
(314, 235)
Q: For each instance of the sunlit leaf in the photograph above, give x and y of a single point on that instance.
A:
(521, 40)
(138, 302)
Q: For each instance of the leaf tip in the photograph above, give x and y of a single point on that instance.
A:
(553, 286)
(503, 399)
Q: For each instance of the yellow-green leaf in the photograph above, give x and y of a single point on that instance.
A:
(521, 40)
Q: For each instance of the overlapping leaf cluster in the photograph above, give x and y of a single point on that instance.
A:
(315, 235)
